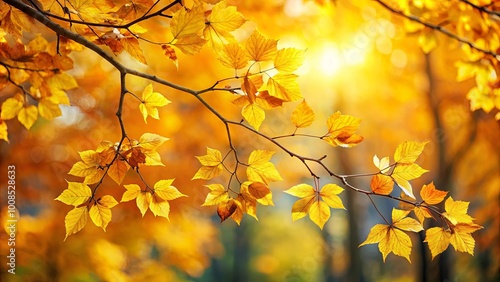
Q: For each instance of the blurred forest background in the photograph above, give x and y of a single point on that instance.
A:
(359, 60)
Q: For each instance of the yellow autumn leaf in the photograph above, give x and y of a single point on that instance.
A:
(301, 191)
(301, 207)
(3, 131)
(220, 22)
(190, 45)
(59, 84)
(133, 190)
(233, 56)
(143, 201)
(100, 213)
(303, 115)
(260, 49)
(211, 165)
(82, 169)
(11, 107)
(408, 152)
(402, 173)
(319, 212)
(390, 238)
(131, 45)
(48, 109)
(151, 141)
(329, 194)
(169, 51)
(381, 184)
(284, 87)
(341, 130)
(260, 169)
(27, 116)
(217, 195)
(187, 22)
(76, 194)
(456, 211)
(288, 60)
(159, 207)
(438, 240)
(461, 238)
(150, 102)
(254, 115)
(165, 190)
(75, 220)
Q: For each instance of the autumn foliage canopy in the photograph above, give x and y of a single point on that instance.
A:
(38, 71)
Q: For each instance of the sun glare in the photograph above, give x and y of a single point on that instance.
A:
(329, 60)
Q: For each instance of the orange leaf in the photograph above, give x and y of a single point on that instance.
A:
(226, 209)
(382, 184)
(260, 49)
(431, 195)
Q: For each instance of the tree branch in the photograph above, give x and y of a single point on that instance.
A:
(438, 28)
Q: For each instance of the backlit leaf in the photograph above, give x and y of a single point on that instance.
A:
(151, 141)
(260, 169)
(254, 115)
(303, 115)
(301, 207)
(408, 152)
(150, 102)
(187, 22)
(319, 212)
(341, 130)
(438, 240)
(431, 195)
(118, 170)
(217, 195)
(190, 45)
(402, 173)
(301, 191)
(456, 211)
(166, 191)
(131, 45)
(288, 59)
(75, 220)
(381, 164)
(11, 107)
(382, 184)
(133, 190)
(143, 200)
(221, 21)
(101, 215)
(48, 109)
(329, 194)
(211, 165)
(284, 87)
(233, 56)
(259, 49)
(27, 116)
(159, 207)
(76, 194)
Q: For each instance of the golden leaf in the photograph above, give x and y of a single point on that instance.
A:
(284, 87)
(288, 60)
(75, 195)
(75, 220)
(260, 49)
(329, 194)
(11, 107)
(260, 169)
(217, 195)
(27, 116)
(382, 184)
(303, 115)
(165, 190)
(254, 115)
(233, 56)
(187, 22)
(431, 195)
(319, 212)
(133, 190)
(408, 152)
(150, 102)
